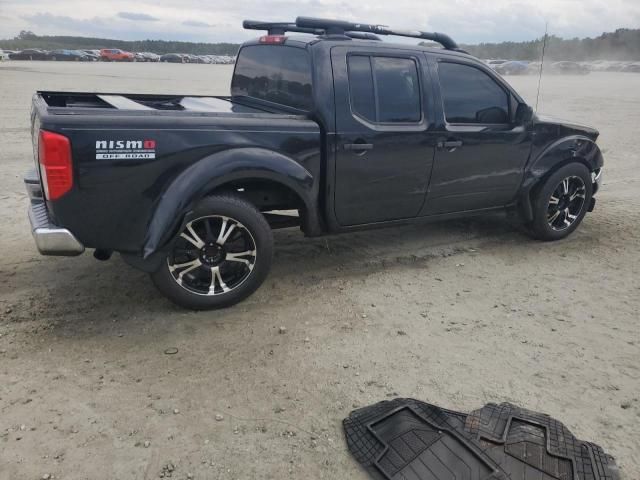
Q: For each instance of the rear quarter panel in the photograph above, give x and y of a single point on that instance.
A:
(113, 200)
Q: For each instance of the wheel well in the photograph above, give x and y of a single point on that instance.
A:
(557, 167)
(527, 209)
(266, 195)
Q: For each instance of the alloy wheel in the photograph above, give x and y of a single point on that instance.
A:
(212, 256)
(566, 203)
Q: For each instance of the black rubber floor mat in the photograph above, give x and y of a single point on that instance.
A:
(404, 439)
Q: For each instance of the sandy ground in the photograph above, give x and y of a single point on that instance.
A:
(457, 313)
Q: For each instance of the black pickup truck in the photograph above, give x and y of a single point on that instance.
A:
(330, 129)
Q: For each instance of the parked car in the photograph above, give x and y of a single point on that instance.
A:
(68, 55)
(494, 63)
(4, 55)
(115, 55)
(150, 57)
(533, 68)
(221, 59)
(631, 68)
(345, 133)
(614, 66)
(30, 54)
(598, 65)
(511, 67)
(568, 68)
(173, 58)
(91, 55)
(587, 65)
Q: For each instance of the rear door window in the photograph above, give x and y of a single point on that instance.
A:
(470, 95)
(384, 89)
(398, 90)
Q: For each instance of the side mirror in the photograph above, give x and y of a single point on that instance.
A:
(524, 114)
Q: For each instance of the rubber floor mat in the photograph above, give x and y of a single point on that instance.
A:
(405, 439)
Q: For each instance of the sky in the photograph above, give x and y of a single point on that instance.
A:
(467, 21)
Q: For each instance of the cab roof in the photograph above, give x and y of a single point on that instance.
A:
(328, 41)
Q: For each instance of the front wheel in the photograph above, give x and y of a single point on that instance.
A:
(561, 202)
(219, 258)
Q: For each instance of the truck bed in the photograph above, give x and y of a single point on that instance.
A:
(78, 103)
(128, 149)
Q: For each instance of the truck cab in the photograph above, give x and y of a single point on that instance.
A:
(324, 120)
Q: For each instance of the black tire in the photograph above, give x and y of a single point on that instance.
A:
(235, 265)
(555, 215)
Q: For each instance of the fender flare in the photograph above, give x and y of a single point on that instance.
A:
(574, 148)
(213, 171)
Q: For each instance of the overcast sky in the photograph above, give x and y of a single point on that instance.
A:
(467, 21)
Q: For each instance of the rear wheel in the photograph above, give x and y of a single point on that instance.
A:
(561, 203)
(221, 256)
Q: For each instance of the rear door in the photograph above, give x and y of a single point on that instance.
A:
(383, 154)
(481, 154)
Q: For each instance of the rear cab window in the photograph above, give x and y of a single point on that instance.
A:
(274, 73)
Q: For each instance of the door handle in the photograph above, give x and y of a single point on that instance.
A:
(358, 147)
(450, 145)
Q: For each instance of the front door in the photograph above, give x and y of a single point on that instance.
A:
(481, 154)
(383, 155)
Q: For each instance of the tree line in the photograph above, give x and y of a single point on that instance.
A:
(28, 39)
(623, 44)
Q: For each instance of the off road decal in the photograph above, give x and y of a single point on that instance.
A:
(122, 149)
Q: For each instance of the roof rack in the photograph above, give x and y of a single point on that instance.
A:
(340, 27)
(280, 28)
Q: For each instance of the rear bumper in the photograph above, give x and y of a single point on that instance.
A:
(50, 238)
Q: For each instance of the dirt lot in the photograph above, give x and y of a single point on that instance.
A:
(457, 313)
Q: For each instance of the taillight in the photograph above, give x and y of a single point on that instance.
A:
(54, 155)
(273, 39)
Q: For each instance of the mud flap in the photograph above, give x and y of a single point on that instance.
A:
(404, 439)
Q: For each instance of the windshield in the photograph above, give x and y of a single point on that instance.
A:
(275, 73)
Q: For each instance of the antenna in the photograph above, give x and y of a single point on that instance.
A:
(544, 47)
